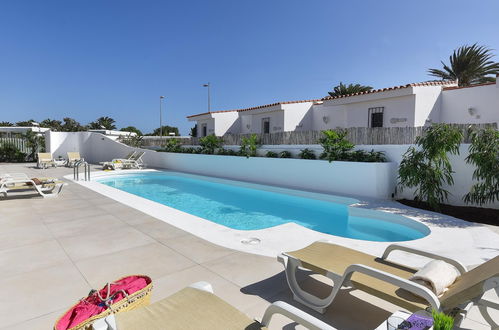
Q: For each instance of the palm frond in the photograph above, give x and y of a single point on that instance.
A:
(469, 65)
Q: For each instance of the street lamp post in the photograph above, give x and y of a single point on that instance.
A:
(209, 96)
(160, 119)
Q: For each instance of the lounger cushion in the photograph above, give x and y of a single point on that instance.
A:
(187, 309)
(322, 257)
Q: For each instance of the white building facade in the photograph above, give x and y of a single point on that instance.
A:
(411, 105)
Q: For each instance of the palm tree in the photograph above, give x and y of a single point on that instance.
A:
(469, 65)
(103, 122)
(342, 89)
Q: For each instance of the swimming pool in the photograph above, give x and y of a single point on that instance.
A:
(246, 208)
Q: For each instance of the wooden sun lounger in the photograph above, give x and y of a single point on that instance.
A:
(196, 307)
(388, 280)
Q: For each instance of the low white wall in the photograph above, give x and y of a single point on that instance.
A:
(345, 178)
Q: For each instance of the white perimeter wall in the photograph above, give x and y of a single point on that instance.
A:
(394, 153)
(484, 99)
(340, 178)
(344, 178)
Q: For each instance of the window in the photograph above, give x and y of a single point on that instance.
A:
(375, 117)
(203, 130)
(265, 125)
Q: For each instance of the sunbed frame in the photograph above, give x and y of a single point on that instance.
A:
(340, 281)
(52, 189)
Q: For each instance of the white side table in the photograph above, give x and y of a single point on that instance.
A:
(61, 162)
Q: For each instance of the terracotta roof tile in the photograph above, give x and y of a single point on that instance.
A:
(254, 108)
(477, 85)
(372, 91)
(425, 83)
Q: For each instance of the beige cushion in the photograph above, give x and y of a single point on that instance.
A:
(188, 309)
(324, 257)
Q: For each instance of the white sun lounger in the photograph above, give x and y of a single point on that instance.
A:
(132, 161)
(47, 189)
(45, 160)
(390, 281)
(73, 158)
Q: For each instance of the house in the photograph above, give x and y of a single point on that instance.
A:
(269, 118)
(413, 105)
(113, 134)
(11, 131)
(216, 122)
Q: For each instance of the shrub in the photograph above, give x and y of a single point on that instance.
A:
(442, 321)
(335, 145)
(172, 145)
(366, 156)
(10, 153)
(284, 154)
(429, 168)
(249, 145)
(376, 157)
(271, 154)
(35, 144)
(307, 154)
(484, 155)
(132, 140)
(209, 143)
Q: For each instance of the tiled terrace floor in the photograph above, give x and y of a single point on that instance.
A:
(53, 251)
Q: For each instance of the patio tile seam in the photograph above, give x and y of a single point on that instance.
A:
(16, 325)
(69, 257)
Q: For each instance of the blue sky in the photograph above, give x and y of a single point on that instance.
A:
(90, 58)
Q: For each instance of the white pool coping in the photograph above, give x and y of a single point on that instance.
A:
(468, 242)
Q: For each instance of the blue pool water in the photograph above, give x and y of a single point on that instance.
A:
(243, 208)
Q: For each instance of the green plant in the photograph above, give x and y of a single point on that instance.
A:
(335, 145)
(132, 129)
(164, 131)
(469, 65)
(132, 140)
(194, 131)
(172, 145)
(103, 123)
(210, 143)
(484, 155)
(226, 152)
(429, 168)
(249, 145)
(441, 321)
(367, 156)
(342, 89)
(271, 154)
(10, 153)
(307, 154)
(35, 143)
(285, 154)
